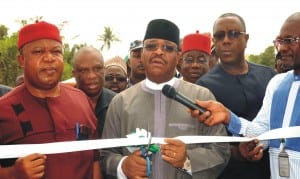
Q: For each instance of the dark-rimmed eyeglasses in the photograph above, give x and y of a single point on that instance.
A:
(198, 60)
(231, 34)
(118, 78)
(165, 47)
(286, 41)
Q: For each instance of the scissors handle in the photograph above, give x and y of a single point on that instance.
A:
(148, 166)
(146, 156)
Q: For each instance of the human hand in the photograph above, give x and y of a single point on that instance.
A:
(252, 151)
(30, 167)
(174, 152)
(135, 166)
(216, 113)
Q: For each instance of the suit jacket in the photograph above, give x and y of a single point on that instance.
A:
(139, 106)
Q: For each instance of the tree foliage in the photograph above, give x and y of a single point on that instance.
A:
(9, 68)
(107, 38)
(265, 58)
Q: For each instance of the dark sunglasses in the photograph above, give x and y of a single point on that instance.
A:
(165, 47)
(118, 78)
(231, 34)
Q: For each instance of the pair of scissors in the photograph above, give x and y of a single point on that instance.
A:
(145, 154)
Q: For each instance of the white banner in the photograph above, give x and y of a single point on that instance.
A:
(19, 150)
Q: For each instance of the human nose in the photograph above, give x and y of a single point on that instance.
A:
(48, 57)
(91, 74)
(196, 63)
(115, 79)
(159, 49)
(283, 47)
(226, 38)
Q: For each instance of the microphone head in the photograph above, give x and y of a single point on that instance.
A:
(169, 91)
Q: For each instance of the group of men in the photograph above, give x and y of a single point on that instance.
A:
(44, 110)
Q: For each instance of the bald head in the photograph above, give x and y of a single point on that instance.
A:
(293, 17)
(86, 50)
(88, 70)
(288, 41)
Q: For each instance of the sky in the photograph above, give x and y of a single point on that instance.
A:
(86, 19)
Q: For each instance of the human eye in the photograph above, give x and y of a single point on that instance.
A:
(82, 70)
(57, 52)
(109, 78)
(201, 59)
(169, 48)
(97, 69)
(219, 35)
(233, 34)
(151, 46)
(289, 40)
(188, 60)
(37, 51)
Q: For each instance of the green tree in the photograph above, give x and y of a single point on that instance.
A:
(108, 37)
(68, 56)
(265, 58)
(3, 32)
(9, 68)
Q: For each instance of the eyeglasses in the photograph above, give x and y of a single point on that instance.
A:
(286, 41)
(198, 60)
(231, 34)
(118, 78)
(165, 47)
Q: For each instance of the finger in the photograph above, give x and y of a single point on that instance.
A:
(259, 155)
(39, 169)
(256, 150)
(173, 141)
(202, 103)
(38, 175)
(38, 161)
(137, 152)
(35, 156)
(209, 121)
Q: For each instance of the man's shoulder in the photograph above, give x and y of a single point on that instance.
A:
(213, 75)
(192, 90)
(69, 88)
(4, 89)
(108, 92)
(262, 68)
(17, 91)
(107, 95)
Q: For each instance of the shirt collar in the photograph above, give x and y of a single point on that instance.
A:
(155, 86)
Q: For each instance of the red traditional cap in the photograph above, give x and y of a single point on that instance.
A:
(37, 31)
(196, 42)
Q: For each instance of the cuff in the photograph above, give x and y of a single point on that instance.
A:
(187, 167)
(120, 173)
(234, 125)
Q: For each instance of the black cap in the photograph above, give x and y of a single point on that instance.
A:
(162, 29)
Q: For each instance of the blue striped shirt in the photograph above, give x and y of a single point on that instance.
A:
(261, 124)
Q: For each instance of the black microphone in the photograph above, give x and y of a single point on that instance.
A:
(170, 92)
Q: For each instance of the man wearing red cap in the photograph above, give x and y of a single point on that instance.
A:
(42, 110)
(195, 56)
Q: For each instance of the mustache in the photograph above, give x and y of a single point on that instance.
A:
(153, 58)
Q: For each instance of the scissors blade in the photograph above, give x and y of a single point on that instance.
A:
(149, 142)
